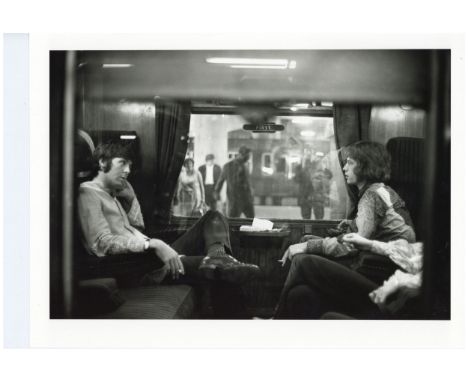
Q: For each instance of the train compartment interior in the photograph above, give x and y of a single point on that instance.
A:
(294, 111)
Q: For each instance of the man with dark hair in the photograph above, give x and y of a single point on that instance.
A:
(210, 172)
(239, 192)
(111, 224)
(381, 216)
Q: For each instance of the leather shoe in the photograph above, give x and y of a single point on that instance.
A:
(219, 265)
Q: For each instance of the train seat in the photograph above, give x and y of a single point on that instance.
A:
(407, 173)
(99, 297)
(161, 302)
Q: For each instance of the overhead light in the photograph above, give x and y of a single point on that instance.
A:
(257, 67)
(308, 133)
(301, 105)
(247, 61)
(327, 104)
(406, 107)
(253, 63)
(128, 137)
(110, 66)
(298, 106)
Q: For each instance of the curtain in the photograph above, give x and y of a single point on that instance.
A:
(351, 124)
(172, 128)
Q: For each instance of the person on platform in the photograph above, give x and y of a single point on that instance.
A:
(239, 192)
(210, 173)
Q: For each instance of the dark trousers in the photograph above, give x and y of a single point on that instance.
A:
(209, 196)
(236, 208)
(316, 285)
(131, 269)
(306, 211)
(319, 211)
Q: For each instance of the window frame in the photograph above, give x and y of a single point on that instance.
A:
(317, 111)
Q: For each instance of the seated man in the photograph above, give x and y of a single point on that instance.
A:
(316, 285)
(111, 220)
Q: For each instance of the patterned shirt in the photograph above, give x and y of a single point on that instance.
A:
(107, 228)
(382, 215)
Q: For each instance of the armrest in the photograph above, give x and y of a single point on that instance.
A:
(98, 296)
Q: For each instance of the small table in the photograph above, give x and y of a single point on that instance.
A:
(264, 248)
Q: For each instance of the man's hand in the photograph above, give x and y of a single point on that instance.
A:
(292, 251)
(358, 241)
(168, 256)
(126, 196)
(344, 224)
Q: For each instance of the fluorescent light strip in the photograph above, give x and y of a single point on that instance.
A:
(108, 66)
(128, 137)
(257, 67)
(247, 61)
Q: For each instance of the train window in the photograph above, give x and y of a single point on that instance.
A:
(281, 165)
(291, 174)
(266, 164)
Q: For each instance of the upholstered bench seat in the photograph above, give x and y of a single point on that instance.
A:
(156, 302)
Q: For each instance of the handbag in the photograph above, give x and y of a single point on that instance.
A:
(200, 210)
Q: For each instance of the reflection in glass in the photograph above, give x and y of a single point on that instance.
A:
(292, 174)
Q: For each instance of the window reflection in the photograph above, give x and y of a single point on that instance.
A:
(291, 174)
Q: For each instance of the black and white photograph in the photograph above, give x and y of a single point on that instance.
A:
(302, 184)
(249, 190)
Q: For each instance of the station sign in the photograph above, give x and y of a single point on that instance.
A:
(264, 128)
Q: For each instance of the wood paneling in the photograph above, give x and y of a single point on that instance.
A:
(396, 121)
(128, 116)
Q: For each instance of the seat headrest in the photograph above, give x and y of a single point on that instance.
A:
(84, 149)
(407, 159)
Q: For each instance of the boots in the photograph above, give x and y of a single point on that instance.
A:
(218, 264)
